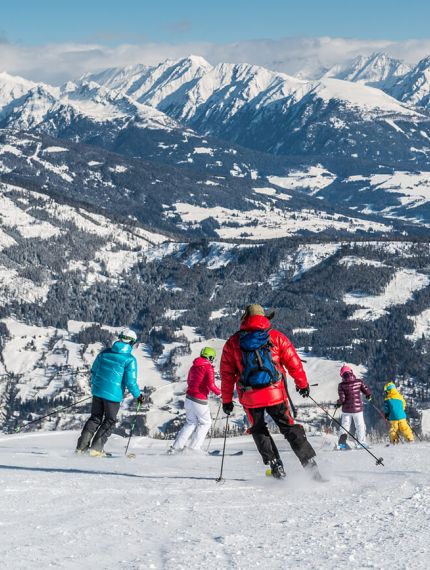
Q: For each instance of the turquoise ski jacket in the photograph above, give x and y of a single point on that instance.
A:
(394, 406)
(115, 370)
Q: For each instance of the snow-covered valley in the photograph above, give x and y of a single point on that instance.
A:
(369, 287)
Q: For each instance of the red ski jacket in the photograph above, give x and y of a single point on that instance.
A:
(283, 354)
(201, 379)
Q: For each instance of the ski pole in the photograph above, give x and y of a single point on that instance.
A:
(133, 423)
(20, 428)
(379, 461)
(219, 479)
(379, 412)
(213, 427)
(415, 433)
(331, 423)
(292, 406)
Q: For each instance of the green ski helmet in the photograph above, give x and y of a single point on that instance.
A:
(209, 353)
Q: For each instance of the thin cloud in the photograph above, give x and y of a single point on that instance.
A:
(180, 27)
(57, 63)
(110, 36)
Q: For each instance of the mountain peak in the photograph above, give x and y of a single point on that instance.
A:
(197, 60)
(6, 77)
(376, 70)
(414, 87)
(12, 87)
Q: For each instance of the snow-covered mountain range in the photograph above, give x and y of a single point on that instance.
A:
(275, 113)
(409, 84)
(376, 70)
(248, 122)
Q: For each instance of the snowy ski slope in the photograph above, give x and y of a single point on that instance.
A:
(164, 512)
(399, 290)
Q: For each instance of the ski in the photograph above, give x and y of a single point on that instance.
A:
(218, 452)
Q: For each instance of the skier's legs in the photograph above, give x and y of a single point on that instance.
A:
(346, 425)
(101, 436)
(293, 433)
(91, 425)
(204, 422)
(263, 440)
(191, 422)
(360, 426)
(394, 431)
(405, 430)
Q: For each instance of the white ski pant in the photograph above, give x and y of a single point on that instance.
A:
(360, 426)
(197, 424)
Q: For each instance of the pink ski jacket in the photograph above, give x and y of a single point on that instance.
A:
(201, 379)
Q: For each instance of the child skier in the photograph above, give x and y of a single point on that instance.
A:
(114, 370)
(350, 390)
(394, 409)
(201, 381)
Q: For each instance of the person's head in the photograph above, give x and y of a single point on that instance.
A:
(346, 372)
(255, 310)
(128, 336)
(389, 386)
(209, 353)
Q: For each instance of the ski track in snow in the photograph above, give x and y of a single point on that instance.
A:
(163, 512)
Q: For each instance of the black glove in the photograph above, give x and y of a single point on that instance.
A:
(369, 397)
(386, 416)
(304, 391)
(141, 399)
(228, 408)
(337, 406)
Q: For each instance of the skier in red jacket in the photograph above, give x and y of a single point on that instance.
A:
(258, 375)
(201, 381)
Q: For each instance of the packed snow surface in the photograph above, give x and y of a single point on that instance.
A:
(167, 512)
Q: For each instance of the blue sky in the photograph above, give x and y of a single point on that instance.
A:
(58, 40)
(114, 22)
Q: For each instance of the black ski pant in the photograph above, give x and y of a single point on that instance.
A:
(100, 424)
(293, 433)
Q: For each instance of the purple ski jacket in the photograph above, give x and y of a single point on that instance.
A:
(350, 395)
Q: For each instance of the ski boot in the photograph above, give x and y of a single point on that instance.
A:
(312, 468)
(276, 469)
(342, 445)
(99, 453)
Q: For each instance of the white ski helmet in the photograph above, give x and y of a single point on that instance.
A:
(128, 335)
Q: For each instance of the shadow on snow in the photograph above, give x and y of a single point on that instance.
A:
(74, 471)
